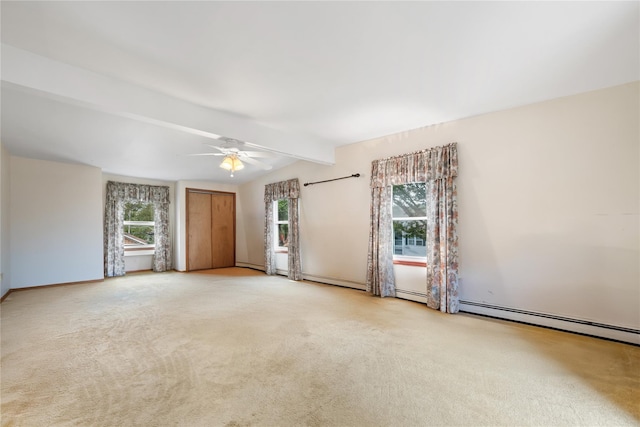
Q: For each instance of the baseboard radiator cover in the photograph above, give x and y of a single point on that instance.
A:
(310, 277)
(584, 327)
(249, 265)
(331, 281)
(411, 295)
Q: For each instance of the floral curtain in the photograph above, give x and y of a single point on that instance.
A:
(380, 278)
(289, 190)
(442, 245)
(118, 193)
(438, 167)
(113, 232)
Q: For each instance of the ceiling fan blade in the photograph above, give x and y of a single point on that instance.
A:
(206, 154)
(257, 154)
(256, 163)
(221, 149)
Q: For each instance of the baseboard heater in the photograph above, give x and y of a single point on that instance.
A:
(552, 321)
(585, 327)
(309, 277)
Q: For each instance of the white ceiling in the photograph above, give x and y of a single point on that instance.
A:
(134, 87)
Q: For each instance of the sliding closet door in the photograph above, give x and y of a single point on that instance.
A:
(223, 234)
(211, 234)
(199, 231)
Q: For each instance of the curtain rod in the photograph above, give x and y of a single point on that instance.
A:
(355, 175)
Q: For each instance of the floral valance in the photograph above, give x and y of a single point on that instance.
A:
(282, 190)
(141, 192)
(420, 166)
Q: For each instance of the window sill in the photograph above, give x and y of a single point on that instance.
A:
(410, 263)
(282, 251)
(139, 252)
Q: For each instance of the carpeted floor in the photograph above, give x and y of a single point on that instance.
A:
(233, 347)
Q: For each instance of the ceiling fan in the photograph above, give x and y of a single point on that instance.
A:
(234, 156)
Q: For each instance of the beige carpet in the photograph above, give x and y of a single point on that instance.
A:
(234, 347)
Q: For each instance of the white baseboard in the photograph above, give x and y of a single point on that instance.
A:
(411, 296)
(338, 282)
(251, 266)
(310, 277)
(613, 332)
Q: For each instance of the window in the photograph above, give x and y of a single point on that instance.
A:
(139, 226)
(281, 220)
(409, 222)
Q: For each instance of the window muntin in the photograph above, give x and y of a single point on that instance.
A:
(281, 222)
(138, 226)
(409, 213)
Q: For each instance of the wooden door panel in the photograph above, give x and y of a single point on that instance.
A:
(199, 231)
(223, 239)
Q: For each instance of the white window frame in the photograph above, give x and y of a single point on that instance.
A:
(134, 248)
(406, 258)
(276, 228)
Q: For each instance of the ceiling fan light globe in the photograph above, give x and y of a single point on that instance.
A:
(227, 164)
(231, 163)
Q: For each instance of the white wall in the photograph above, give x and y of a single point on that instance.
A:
(143, 260)
(56, 223)
(548, 199)
(5, 250)
(180, 262)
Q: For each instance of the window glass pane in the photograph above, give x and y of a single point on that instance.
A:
(283, 235)
(409, 238)
(283, 210)
(138, 211)
(410, 200)
(136, 235)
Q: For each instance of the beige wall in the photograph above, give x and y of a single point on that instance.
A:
(55, 223)
(548, 199)
(5, 250)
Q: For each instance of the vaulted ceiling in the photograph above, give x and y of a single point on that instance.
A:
(135, 87)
